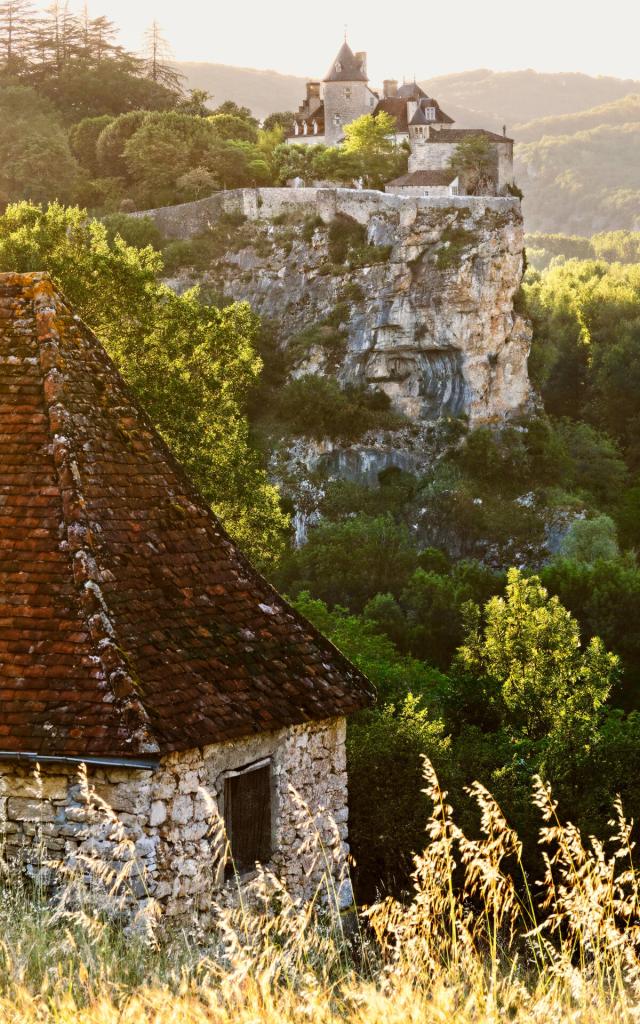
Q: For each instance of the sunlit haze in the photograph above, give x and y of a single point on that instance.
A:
(425, 39)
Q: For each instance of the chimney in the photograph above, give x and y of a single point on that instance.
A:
(390, 88)
(313, 90)
(361, 58)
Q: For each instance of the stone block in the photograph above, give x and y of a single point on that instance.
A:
(24, 809)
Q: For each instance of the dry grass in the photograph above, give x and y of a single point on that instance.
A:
(474, 944)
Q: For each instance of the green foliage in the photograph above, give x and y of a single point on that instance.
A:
(348, 246)
(83, 139)
(316, 406)
(190, 366)
(475, 161)
(455, 242)
(111, 142)
(136, 231)
(230, 126)
(591, 540)
(36, 161)
(326, 566)
(574, 186)
(529, 647)
(587, 337)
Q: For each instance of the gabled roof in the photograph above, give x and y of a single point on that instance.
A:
(130, 624)
(397, 108)
(459, 134)
(420, 117)
(411, 91)
(421, 178)
(346, 67)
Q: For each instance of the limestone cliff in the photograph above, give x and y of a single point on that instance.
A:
(416, 297)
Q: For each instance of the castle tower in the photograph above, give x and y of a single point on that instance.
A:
(346, 93)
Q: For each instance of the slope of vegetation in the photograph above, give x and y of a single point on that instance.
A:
(622, 111)
(582, 183)
(520, 96)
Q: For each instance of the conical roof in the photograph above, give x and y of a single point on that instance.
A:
(346, 67)
(130, 624)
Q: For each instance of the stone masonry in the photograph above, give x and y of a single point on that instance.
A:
(172, 815)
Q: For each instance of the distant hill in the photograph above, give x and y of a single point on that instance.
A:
(623, 111)
(518, 97)
(582, 183)
(264, 92)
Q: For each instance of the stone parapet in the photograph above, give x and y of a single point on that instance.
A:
(191, 219)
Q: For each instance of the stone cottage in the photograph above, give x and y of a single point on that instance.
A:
(137, 640)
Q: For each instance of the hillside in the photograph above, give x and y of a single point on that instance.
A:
(623, 111)
(264, 92)
(582, 183)
(518, 97)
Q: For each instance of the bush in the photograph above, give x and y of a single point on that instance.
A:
(137, 231)
(326, 565)
(317, 407)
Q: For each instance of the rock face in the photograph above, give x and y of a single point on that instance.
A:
(416, 297)
(425, 304)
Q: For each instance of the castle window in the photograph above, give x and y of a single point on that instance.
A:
(430, 113)
(338, 67)
(247, 816)
(337, 120)
(347, 94)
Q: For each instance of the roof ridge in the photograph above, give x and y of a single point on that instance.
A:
(79, 533)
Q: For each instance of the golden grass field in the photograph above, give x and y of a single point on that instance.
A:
(472, 944)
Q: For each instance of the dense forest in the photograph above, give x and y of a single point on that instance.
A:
(495, 652)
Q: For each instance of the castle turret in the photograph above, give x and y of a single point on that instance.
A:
(346, 92)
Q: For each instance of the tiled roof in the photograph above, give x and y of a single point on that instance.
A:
(129, 622)
(316, 115)
(411, 91)
(459, 134)
(420, 117)
(419, 178)
(397, 108)
(346, 67)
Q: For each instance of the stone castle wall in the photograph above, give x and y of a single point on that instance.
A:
(170, 816)
(263, 204)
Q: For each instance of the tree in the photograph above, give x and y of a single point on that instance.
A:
(191, 366)
(163, 148)
(35, 159)
(229, 107)
(591, 540)
(528, 644)
(83, 138)
(326, 565)
(230, 126)
(195, 103)
(157, 52)
(370, 136)
(111, 143)
(475, 161)
(370, 141)
(284, 119)
(16, 24)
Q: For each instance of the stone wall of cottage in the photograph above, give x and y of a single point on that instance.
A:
(170, 818)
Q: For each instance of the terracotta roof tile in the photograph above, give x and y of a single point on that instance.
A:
(420, 178)
(130, 624)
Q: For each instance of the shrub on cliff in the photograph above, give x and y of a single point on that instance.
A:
(316, 406)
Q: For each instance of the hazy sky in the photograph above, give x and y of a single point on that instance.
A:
(423, 37)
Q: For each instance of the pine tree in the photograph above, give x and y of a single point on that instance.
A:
(16, 23)
(157, 54)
